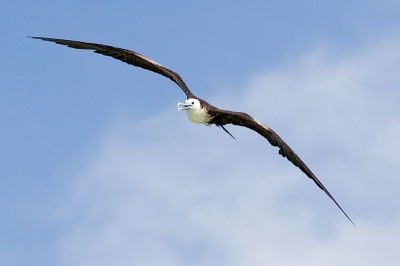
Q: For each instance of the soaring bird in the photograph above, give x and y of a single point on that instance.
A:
(198, 110)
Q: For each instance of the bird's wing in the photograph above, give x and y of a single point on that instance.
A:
(126, 56)
(224, 117)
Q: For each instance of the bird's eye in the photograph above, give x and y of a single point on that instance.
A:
(192, 102)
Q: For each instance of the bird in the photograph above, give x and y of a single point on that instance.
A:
(198, 110)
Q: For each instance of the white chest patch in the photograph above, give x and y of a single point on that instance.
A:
(197, 115)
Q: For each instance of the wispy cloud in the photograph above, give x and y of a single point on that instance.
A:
(163, 191)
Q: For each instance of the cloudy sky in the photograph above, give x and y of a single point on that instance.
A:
(97, 167)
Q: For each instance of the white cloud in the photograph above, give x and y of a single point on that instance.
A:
(163, 191)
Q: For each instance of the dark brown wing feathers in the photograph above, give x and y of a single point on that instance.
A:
(126, 56)
(223, 117)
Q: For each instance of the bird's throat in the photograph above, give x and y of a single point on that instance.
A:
(198, 115)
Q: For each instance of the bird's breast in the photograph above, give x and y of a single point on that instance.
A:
(198, 116)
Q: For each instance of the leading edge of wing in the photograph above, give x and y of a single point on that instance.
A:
(127, 56)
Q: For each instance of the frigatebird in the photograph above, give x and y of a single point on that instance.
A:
(198, 110)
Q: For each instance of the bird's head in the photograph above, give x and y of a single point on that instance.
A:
(189, 104)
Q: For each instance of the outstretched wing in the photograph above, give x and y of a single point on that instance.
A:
(223, 117)
(126, 56)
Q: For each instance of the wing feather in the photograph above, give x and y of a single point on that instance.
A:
(126, 56)
(224, 117)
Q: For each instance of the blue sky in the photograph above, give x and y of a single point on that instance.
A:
(97, 167)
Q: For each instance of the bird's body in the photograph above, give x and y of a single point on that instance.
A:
(198, 110)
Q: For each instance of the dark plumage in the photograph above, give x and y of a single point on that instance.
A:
(213, 115)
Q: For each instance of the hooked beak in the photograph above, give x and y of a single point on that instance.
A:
(183, 106)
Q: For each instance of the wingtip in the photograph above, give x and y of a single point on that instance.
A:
(41, 38)
(351, 221)
(337, 204)
(37, 38)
